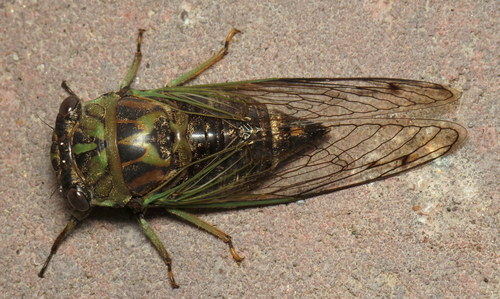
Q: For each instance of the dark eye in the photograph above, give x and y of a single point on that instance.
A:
(69, 104)
(77, 200)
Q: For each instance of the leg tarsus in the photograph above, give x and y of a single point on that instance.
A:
(208, 228)
(229, 37)
(132, 71)
(205, 65)
(235, 255)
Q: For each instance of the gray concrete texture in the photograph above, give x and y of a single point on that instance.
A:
(429, 233)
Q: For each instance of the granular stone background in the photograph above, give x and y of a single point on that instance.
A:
(429, 233)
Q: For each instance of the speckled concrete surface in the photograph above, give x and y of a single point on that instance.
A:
(432, 232)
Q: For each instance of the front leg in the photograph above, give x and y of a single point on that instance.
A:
(76, 218)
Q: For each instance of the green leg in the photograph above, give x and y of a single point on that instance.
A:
(209, 228)
(158, 245)
(76, 218)
(205, 65)
(132, 71)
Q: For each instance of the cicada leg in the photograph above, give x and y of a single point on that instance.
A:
(205, 65)
(132, 71)
(158, 245)
(209, 228)
(76, 218)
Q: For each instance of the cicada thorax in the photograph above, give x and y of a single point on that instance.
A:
(148, 146)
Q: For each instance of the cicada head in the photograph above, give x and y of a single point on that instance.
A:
(80, 153)
(61, 153)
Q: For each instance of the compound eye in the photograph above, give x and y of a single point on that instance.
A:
(77, 200)
(69, 104)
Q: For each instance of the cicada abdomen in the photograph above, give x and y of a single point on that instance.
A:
(238, 144)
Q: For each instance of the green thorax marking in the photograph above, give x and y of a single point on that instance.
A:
(151, 143)
(95, 151)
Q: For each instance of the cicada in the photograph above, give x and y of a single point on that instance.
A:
(238, 144)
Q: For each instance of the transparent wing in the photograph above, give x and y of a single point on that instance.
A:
(359, 151)
(360, 146)
(325, 99)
